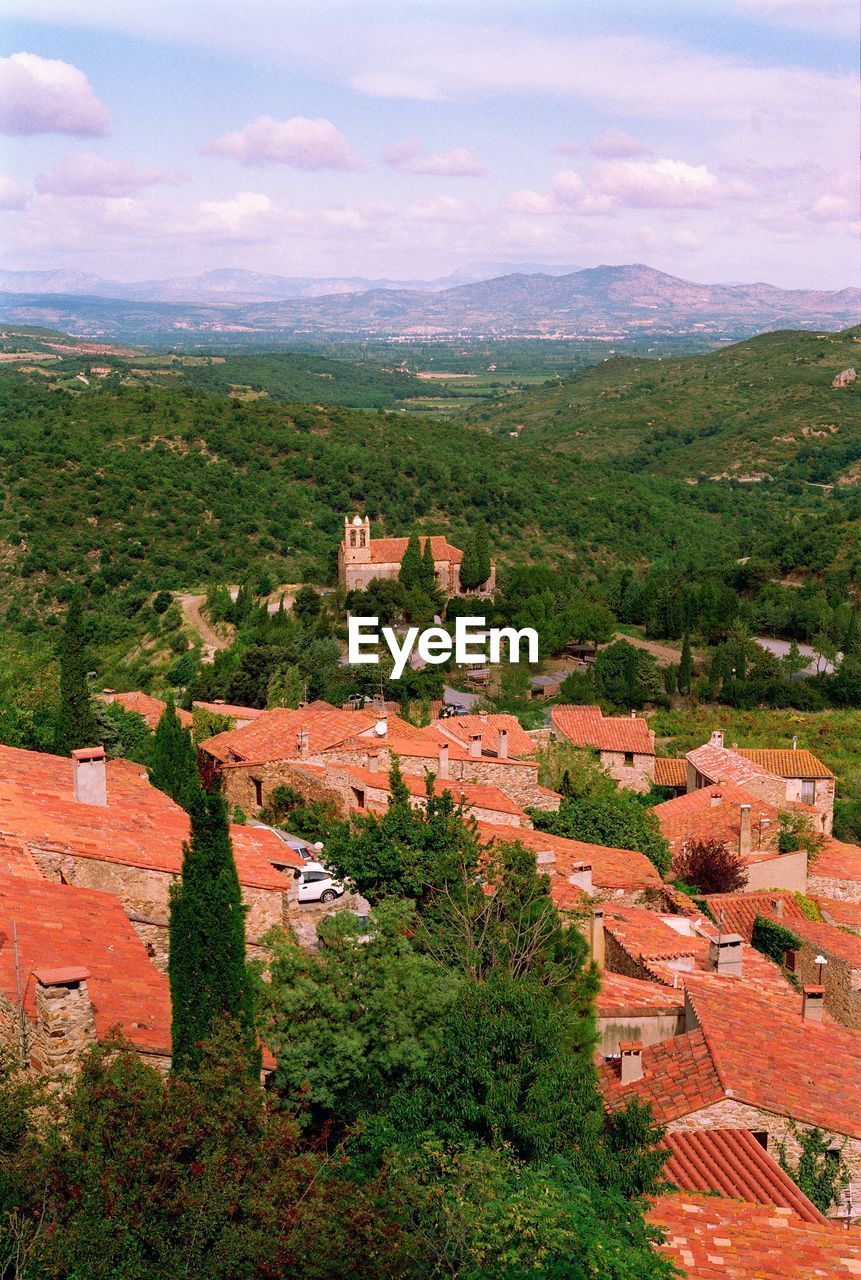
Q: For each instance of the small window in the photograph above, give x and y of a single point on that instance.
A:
(761, 1137)
(258, 792)
(352, 537)
(629, 759)
(358, 796)
(362, 538)
(789, 960)
(808, 791)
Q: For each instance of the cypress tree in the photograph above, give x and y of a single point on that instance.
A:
(208, 977)
(469, 566)
(686, 666)
(428, 569)
(482, 555)
(76, 723)
(410, 575)
(173, 767)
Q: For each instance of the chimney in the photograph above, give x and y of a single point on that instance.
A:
(303, 739)
(475, 745)
(813, 1003)
(596, 936)
(795, 742)
(545, 858)
(502, 745)
(65, 1025)
(581, 876)
(482, 715)
(716, 740)
(777, 907)
(109, 695)
(744, 830)
(632, 1060)
(90, 776)
(716, 799)
(726, 953)
(633, 714)
(374, 761)
(442, 770)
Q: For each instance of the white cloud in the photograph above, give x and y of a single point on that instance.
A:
(247, 211)
(90, 175)
(614, 145)
(44, 95)
(440, 209)
(299, 143)
(11, 195)
(530, 202)
(657, 184)
(407, 157)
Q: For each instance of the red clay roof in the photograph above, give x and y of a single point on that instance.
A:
(230, 710)
(611, 868)
(489, 725)
(633, 997)
(717, 1239)
(391, 550)
(589, 727)
(773, 1058)
(150, 709)
(670, 773)
(679, 1077)
(733, 1163)
(830, 939)
(837, 860)
(140, 826)
(693, 816)
(737, 912)
(846, 913)
(720, 764)
(786, 764)
(62, 927)
(475, 796)
(273, 734)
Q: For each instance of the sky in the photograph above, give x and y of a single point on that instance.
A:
(412, 139)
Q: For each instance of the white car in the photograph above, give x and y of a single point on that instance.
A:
(316, 884)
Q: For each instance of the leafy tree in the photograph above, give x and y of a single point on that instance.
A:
(819, 1170)
(796, 830)
(162, 602)
(710, 867)
(793, 661)
(123, 733)
(625, 676)
(75, 724)
(427, 577)
(285, 688)
(610, 817)
(173, 759)
(307, 604)
(208, 976)
(482, 555)
(410, 572)
(686, 665)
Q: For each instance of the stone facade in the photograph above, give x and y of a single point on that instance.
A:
(844, 890)
(362, 559)
(629, 769)
(841, 981)
(822, 800)
(788, 871)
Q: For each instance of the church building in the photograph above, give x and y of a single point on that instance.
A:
(362, 558)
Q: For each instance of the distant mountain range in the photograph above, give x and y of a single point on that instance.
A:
(600, 302)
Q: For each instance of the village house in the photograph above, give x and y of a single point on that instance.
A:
(100, 824)
(779, 777)
(142, 704)
(239, 717)
(500, 735)
(625, 744)
(367, 790)
(362, 558)
(836, 871)
(71, 969)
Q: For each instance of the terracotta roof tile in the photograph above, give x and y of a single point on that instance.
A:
(150, 709)
(718, 1239)
(829, 938)
(837, 860)
(713, 813)
(634, 997)
(391, 550)
(273, 735)
(737, 912)
(611, 868)
(62, 927)
(489, 726)
(720, 764)
(589, 727)
(679, 1077)
(475, 796)
(846, 913)
(733, 1163)
(230, 710)
(786, 764)
(140, 826)
(670, 773)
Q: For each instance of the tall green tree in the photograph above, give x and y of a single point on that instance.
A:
(410, 573)
(686, 665)
(206, 967)
(76, 722)
(482, 555)
(469, 571)
(173, 759)
(428, 573)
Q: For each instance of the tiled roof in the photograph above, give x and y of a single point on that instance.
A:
(694, 816)
(737, 912)
(140, 826)
(644, 935)
(773, 1058)
(475, 796)
(230, 710)
(837, 860)
(829, 938)
(786, 764)
(391, 550)
(463, 727)
(633, 997)
(273, 735)
(733, 1163)
(712, 1238)
(589, 727)
(720, 764)
(679, 1078)
(611, 868)
(61, 926)
(149, 708)
(670, 773)
(846, 913)
(17, 860)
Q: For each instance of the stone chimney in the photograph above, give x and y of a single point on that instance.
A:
(716, 799)
(581, 876)
(442, 769)
(813, 1003)
(475, 745)
(744, 830)
(632, 1060)
(374, 762)
(303, 740)
(65, 1026)
(502, 744)
(716, 740)
(777, 907)
(726, 954)
(596, 936)
(545, 858)
(90, 776)
(109, 695)
(633, 714)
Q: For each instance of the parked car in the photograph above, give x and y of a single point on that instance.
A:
(316, 884)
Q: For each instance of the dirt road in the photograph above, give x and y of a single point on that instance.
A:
(212, 640)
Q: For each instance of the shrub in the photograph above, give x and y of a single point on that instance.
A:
(711, 866)
(773, 939)
(161, 603)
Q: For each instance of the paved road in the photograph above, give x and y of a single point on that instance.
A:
(780, 648)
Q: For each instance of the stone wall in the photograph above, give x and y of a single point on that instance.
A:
(54, 1046)
(842, 983)
(823, 799)
(829, 887)
(638, 776)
